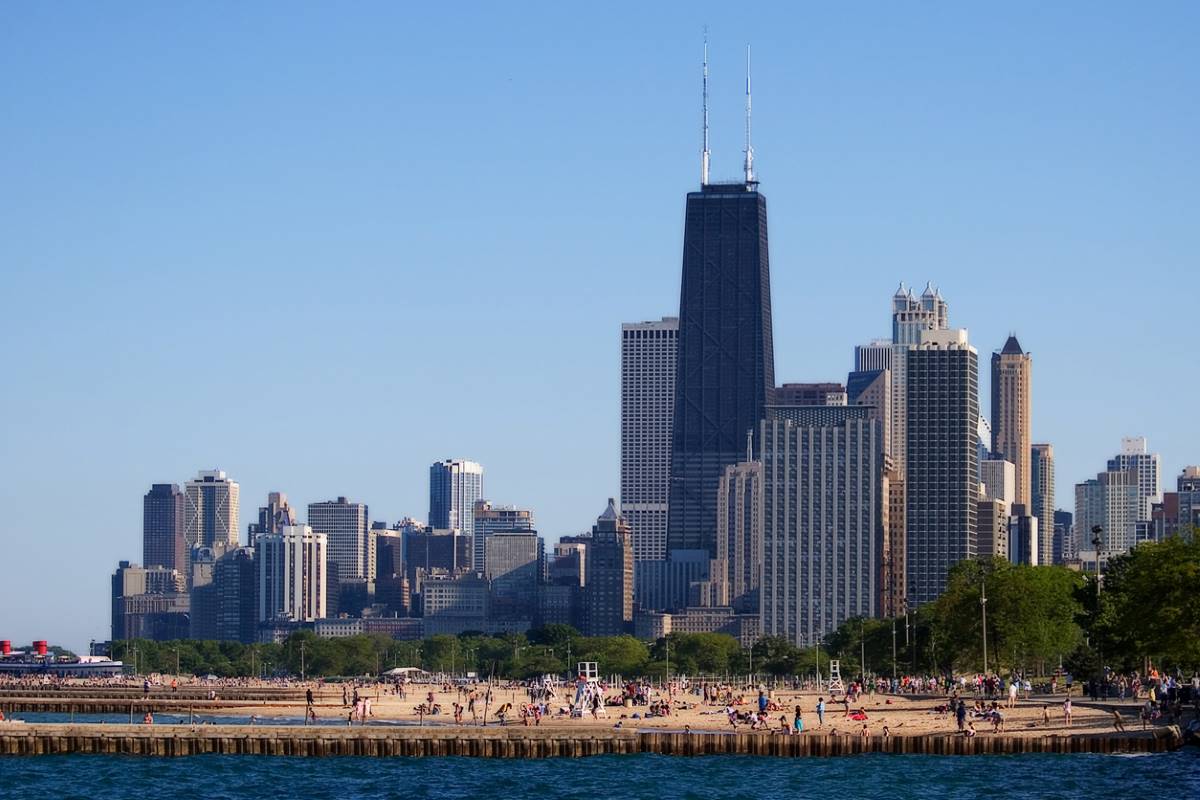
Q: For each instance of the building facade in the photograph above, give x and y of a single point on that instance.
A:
(825, 499)
(347, 531)
(999, 479)
(489, 520)
(163, 540)
(942, 477)
(649, 362)
(1136, 457)
(911, 318)
(292, 574)
(1041, 478)
(737, 569)
(455, 485)
(874, 356)
(1012, 409)
(608, 606)
(726, 362)
(210, 511)
(1113, 501)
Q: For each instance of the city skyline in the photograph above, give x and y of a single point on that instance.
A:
(85, 413)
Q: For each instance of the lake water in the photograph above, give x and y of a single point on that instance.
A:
(1082, 777)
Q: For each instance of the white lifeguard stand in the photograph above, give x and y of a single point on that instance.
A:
(587, 687)
(835, 677)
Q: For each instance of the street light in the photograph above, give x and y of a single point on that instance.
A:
(983, 607)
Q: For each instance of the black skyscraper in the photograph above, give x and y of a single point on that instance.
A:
(162, 527)
(726, 370)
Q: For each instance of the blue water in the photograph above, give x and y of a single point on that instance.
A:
(1164, 777)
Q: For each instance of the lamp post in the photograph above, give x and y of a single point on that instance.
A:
(1098, 543)
(983, 607)
(893, 648)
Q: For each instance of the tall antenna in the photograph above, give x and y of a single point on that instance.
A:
(749, 147)
(704, 153)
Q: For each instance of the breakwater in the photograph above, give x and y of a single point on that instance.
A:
(520, 742)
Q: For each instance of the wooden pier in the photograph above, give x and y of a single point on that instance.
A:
(25, 739)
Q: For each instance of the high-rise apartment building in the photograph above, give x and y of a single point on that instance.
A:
(608, 604)
(1064, 522)
(911, 318)
(162, 527)
(513, 566)
(737, 569)
(649, 361)
(1012, 409)
(726, 362)
(999, 479)
(1135, 457)
(235, 579)
(992, 526)
(942, 477)
(1112, 500)
(1041, 478)
(825, 504)
(291, 574)
(454, 487)
(347, 531)
(210, 515)
(1023, 539)
(149, 603)
(490, 520)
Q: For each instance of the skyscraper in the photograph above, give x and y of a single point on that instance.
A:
(291, 574)
(726, 367)
(210, 514)
(999, 479)
(873, 356)
(911, 317)
(162, 527)
(608, 606)
(1012, 373)
(490, 520)
(1112, 500)
(737, 569)
(454, 486)
(825, 506)
(942, 478)
(1041, 478)
(649, 360)
(346, 529)
(273, 516)
(1135, 457)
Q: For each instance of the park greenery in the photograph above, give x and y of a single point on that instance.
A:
(1147, 611)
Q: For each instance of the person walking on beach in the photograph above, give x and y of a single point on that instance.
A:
(820, 712)
(1067, 711)
(1012, 693)
(960, 714)
(798, 721)
(1118, 723)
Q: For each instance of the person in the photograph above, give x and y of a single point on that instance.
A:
(148, 719)
(1046, 715)
(762, 701)
(308, 697)
(798, 721)
(146, 687)
(1012, 693)
(960, 714)
(1117, 722)
(820, 712)
(970, 731)
(864, 733)
(1067, 711)
(886, 732)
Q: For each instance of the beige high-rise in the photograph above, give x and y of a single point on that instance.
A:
(1012, 408)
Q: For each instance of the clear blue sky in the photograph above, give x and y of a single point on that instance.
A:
(321, 247)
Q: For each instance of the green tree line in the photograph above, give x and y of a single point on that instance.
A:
(1147, 610)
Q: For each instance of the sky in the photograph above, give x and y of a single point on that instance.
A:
(321, 246)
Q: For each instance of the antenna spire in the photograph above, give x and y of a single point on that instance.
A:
(704, 152)
(749, 148)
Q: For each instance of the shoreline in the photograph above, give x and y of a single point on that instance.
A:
(32, 738)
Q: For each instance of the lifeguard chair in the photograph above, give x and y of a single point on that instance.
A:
(835, 677)
(587, 688)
